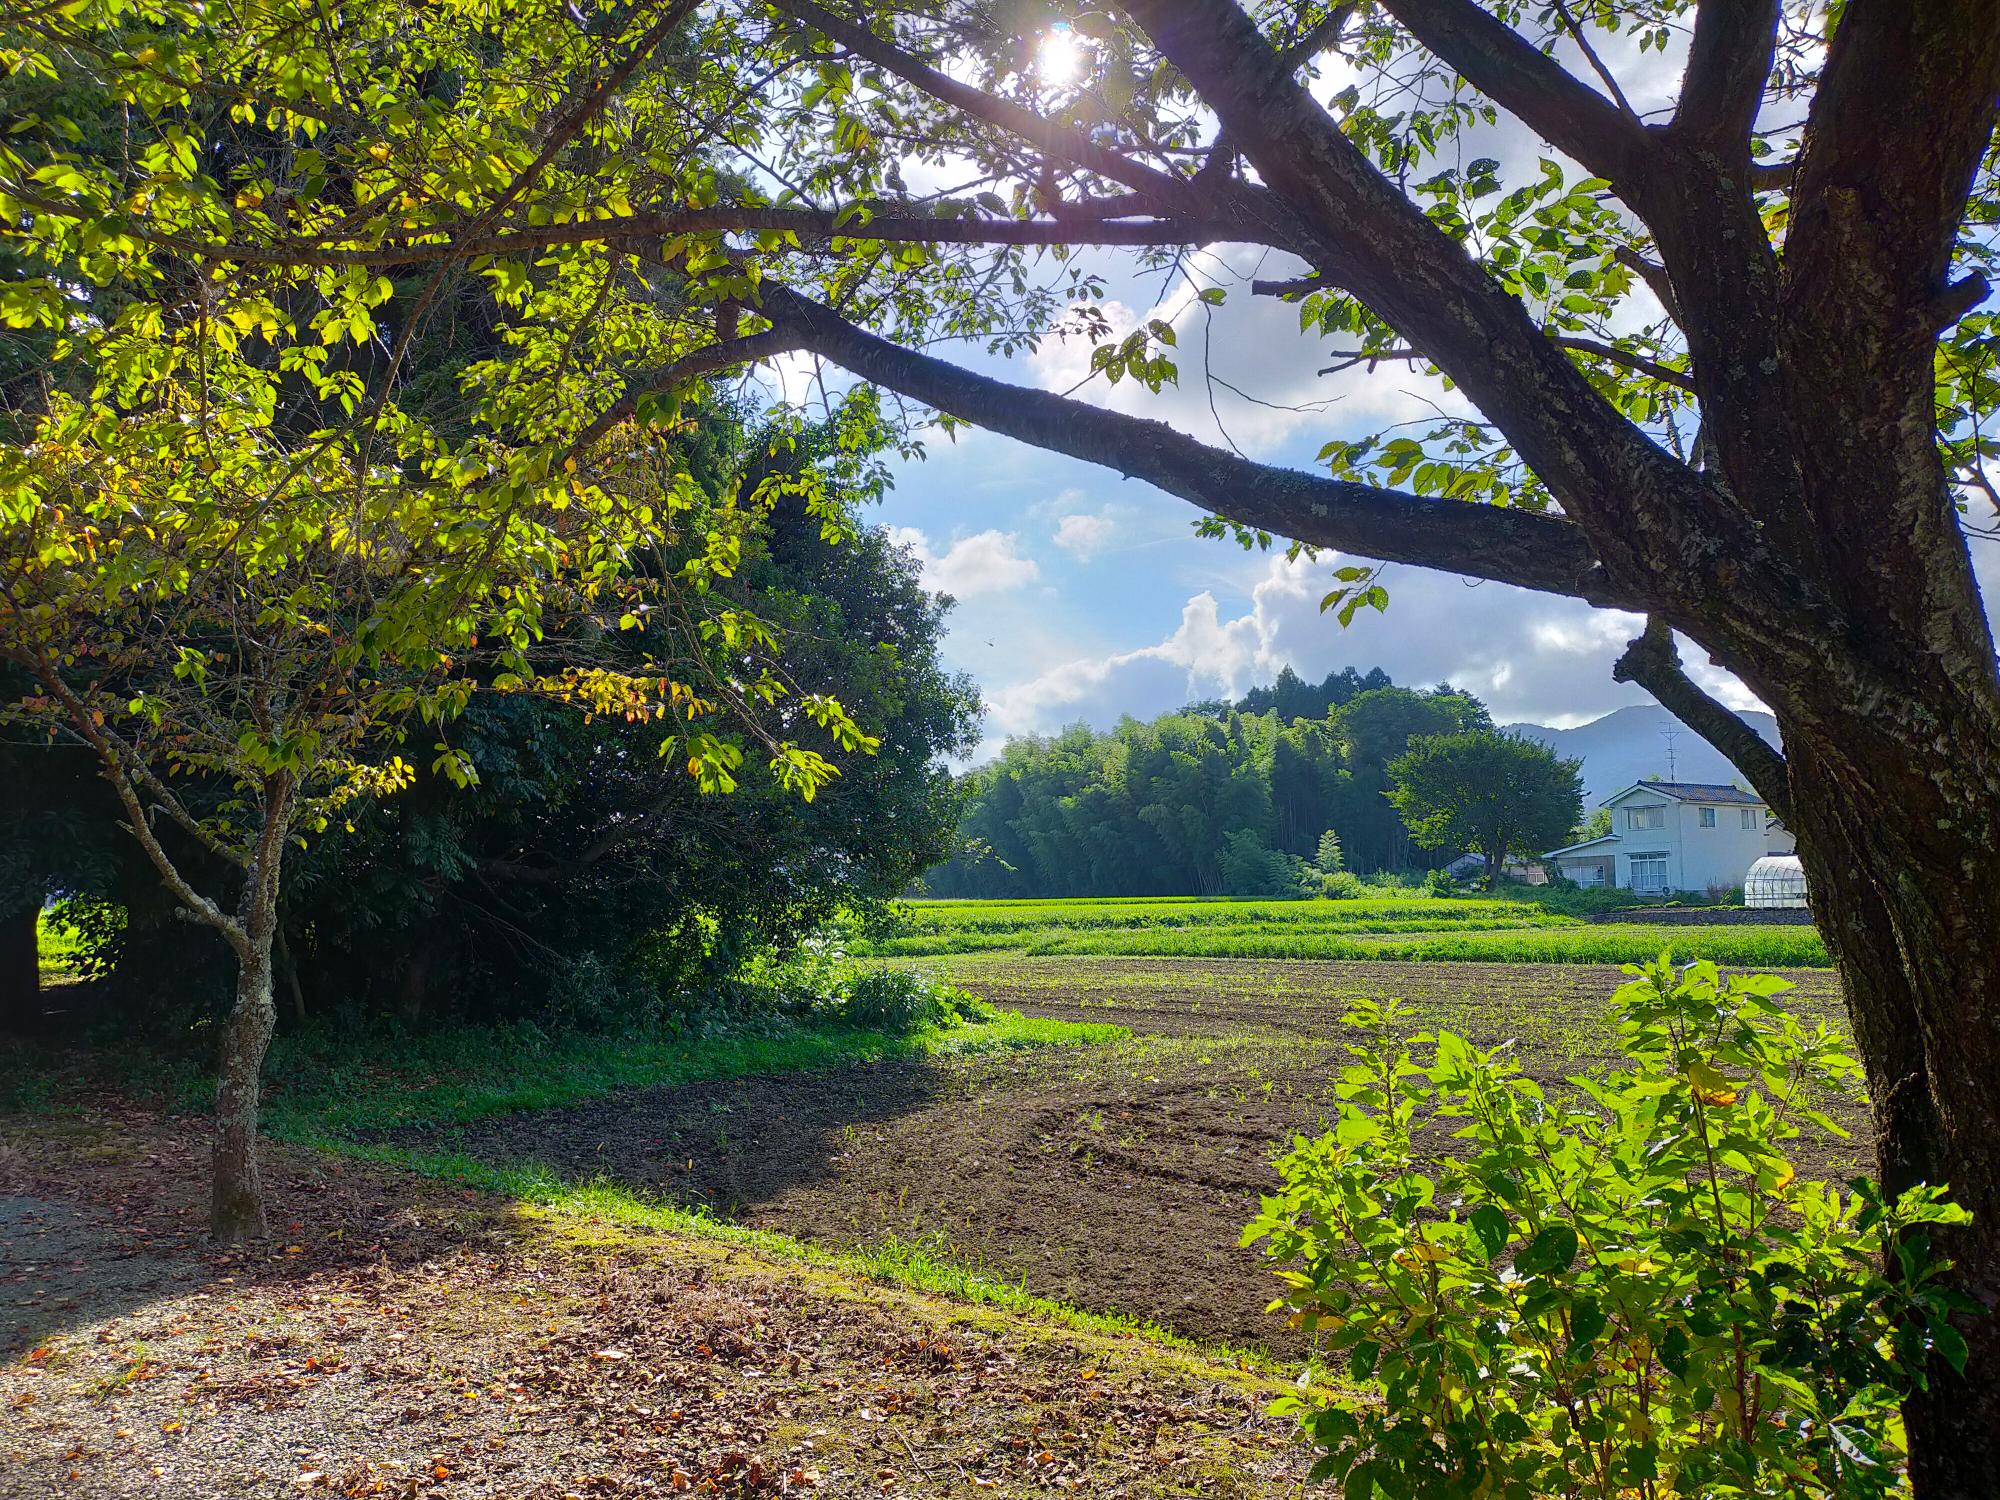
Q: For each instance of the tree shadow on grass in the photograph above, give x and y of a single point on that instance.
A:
(724, 1145)
(1060, 1170)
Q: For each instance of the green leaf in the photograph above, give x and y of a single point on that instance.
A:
(1950, 1343)
(1587, 1321)
(1490, 1224)
(1549, 1253)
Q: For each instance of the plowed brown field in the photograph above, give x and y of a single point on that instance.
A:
(1116, 1178)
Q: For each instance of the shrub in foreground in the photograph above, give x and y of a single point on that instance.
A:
(1618, 1289)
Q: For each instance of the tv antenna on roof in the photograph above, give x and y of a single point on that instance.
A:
(1670, 734)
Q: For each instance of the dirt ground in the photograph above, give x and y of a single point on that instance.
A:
(405, 1339)
(1115, 1178)
(401, 1339)
(1555, 1009)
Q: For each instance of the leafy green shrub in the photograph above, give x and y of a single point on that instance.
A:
(587, 993)
(901, 1000)
(1343, 885)
(818, 978)
(1621, 1288)
(1252, 868)
(1439, 883)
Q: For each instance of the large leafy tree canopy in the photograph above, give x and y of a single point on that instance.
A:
(1498, 794)
(234, 472)
(652, 192)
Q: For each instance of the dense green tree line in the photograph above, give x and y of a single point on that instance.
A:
(1214, 800)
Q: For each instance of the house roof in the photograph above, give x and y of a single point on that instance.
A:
(1693, 791)
(1602, 838)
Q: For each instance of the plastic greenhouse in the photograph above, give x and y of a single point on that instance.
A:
(1775, 880)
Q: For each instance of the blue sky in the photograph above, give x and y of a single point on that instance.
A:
(1084, 596)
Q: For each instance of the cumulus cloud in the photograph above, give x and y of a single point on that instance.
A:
(1532, 657)
(1205, 656)
(988, 562)
(1084, 534)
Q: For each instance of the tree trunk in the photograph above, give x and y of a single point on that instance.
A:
(1902, 875)
(237, 1210)
(21, 971)
(414, 985)
(1493, 858)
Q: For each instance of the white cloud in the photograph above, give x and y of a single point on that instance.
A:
(1206, 656)
(1084, 535)
(988, 562)
(1532, 657)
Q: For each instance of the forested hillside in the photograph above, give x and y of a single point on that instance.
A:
(1213, 800)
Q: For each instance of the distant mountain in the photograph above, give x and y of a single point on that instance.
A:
(1629, 745)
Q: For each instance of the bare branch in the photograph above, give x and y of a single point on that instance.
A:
(1325, 33)
(1360, 230)
(1605, 76)
(117, 770)
(688, 368)
(1729, 61)
(1655, 276)
(1295, 286)
(585, 107)
(1638, 363)
(438, 244)
(1654, 663)
(1958, 299)
(1056, 140)
(1772, 176)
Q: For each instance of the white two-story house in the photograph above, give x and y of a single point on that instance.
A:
(1671, 836)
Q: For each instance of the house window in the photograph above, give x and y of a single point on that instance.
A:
(1707, 816)
(1645, 817)
(1750, 817)
(1649, 874)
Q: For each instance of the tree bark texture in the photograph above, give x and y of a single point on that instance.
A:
(1901, 888)
(237, 1207)
(236, 1210)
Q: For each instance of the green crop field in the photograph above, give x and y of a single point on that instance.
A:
(1380, 928)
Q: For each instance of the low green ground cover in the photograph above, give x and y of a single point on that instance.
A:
(1374, 913)
(1415, 929)
(325, 1083)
